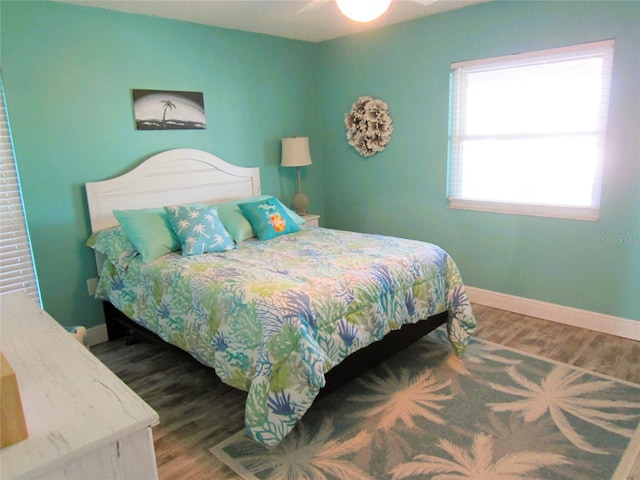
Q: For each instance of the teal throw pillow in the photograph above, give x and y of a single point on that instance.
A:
(238, 225)
(199, 229)
(268, 218)
(149, 230)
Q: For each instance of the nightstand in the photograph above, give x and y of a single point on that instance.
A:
(311, 220)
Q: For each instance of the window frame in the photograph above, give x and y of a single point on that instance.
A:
(458, 72)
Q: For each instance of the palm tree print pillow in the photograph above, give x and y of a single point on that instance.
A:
(199, 229)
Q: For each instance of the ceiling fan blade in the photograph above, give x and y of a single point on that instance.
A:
(312, 5)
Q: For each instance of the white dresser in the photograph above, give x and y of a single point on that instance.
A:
(83, 421)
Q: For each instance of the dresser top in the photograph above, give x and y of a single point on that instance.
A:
(72, 402)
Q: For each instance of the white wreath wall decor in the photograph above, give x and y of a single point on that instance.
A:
(369, 126)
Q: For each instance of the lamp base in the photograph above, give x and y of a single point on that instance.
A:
(300, 203)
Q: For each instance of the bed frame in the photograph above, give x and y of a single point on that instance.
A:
(183, 176)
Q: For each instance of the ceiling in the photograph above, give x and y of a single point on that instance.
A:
(320, 20)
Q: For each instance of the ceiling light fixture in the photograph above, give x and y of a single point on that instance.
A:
(363, 10)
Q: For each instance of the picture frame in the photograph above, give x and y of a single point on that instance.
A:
(168, 110)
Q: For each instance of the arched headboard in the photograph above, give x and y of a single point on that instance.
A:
(174, 177)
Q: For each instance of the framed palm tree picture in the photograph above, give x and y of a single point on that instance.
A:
(168, 110)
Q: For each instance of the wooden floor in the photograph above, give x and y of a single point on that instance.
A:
(197, 411)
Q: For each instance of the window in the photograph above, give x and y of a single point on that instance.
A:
(16, 263)
(528, 131)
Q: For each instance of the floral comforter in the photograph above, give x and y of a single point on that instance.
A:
(272, 317)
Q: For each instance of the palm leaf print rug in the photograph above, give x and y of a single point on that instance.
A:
(426, 414)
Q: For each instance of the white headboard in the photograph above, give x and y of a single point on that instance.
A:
(173, 177)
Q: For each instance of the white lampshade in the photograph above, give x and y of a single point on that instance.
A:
(363, 10)
(295, 152)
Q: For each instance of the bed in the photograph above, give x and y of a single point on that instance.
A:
(282, 318)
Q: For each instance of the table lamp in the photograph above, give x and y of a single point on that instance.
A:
(295, 153)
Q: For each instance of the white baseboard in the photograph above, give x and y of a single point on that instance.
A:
(97, 334)
(599, 322)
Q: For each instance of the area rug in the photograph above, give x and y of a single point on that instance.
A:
(497, 414)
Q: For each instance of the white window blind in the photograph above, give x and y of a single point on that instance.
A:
(17, 271)
(528, 131)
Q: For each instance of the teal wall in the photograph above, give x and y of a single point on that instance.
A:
(68, 73)
(402, 191)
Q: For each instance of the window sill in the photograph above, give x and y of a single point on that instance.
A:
(590, 214)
